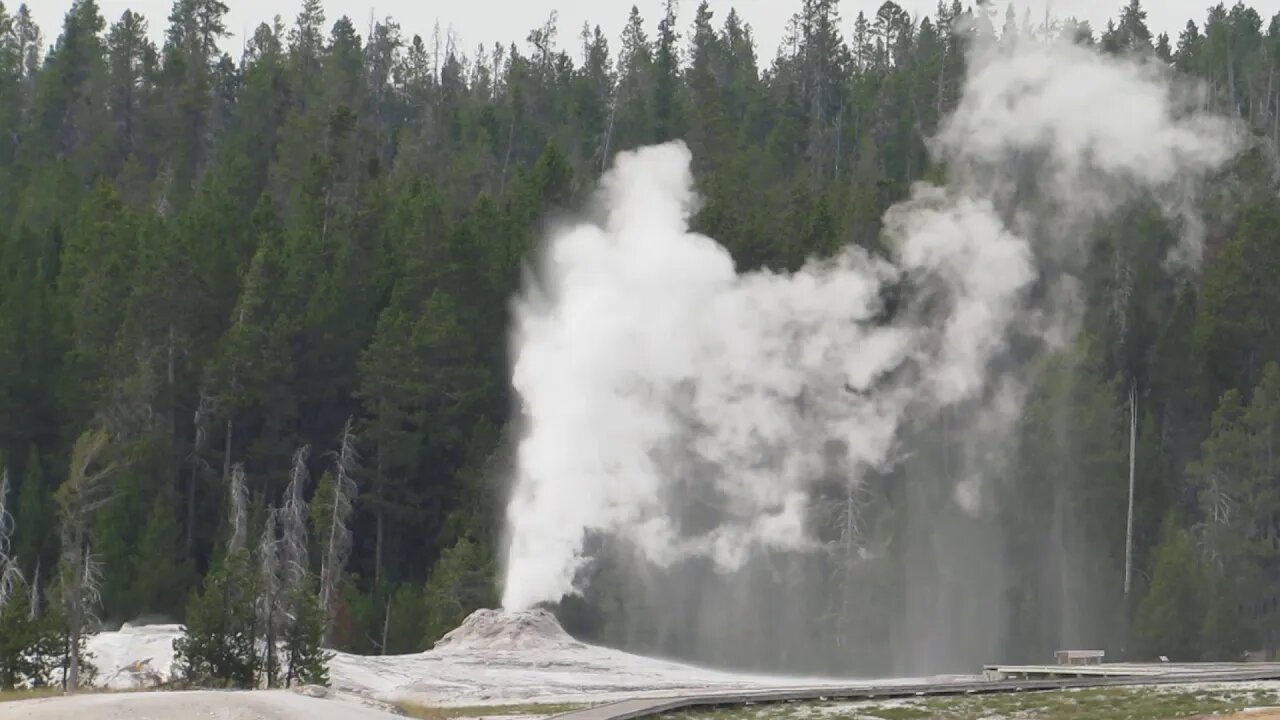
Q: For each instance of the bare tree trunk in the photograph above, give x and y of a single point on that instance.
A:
(226, 449)
(75, 611)
(272, 663)
(81, 494)
(191, 511)
(386, 628)
(835, 172)
(338, 547)
(379, 490)
(1273, 108)
(1133, 446)
(73, 662)
(608, 135)
(172, 376)
(1231, 79)
(377, 551)
(324, 221)
(73, 646)
(506, 160)
(34, 610)
(942, 85)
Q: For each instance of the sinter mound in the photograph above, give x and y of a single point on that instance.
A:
(489, 630)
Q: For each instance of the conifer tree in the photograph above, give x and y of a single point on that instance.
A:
(218, 646)
(223, 261)
(1175, 593)
(17, 636)
(161, 570)
(35, 514)
(306, 661)
(460, 583)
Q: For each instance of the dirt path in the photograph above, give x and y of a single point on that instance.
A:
(196, 705)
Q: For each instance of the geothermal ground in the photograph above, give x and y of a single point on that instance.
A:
(493, 658)
(502, 657)
(523, 666)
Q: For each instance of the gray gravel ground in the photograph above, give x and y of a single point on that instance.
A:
(195, 705)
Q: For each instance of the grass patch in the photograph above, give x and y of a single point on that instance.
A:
(424, 712)
(13, 695)
(905, 712)
(1096, 704)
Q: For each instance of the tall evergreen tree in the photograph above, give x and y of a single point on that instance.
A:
(220, 260)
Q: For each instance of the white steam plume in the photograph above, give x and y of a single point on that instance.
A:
(660, 387)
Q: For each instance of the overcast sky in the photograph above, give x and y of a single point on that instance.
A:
(487, 21)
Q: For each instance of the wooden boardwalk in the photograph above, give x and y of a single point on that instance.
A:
(1138, 676)
(1049, 672)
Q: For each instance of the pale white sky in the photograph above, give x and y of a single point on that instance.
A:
(487, 21)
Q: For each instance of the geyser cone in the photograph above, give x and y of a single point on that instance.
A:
(487, 631)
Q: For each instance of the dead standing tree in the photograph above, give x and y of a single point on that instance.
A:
(10, 573)
(80, 496)
(269, 603)
(338, 534)
(282, 562)
(293, 522)
(237, 509)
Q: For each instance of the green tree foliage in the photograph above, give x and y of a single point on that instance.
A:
(32, 545)
(1176, 596)
(35, 645)
(18, 634)
(1066, 499)
(219, 258)
(218, 647)
(160, 570)
(1225, 632)
(306, 662)
(228, 641)
(460, 583)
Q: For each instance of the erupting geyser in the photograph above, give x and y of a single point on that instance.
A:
(689, 413)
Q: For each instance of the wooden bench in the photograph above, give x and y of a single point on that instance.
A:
(1079, 657)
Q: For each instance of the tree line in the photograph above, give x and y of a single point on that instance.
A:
(220, 278)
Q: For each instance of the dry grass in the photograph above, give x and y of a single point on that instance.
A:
(14, 695)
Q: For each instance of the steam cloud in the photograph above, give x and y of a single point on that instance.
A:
(650, 372)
